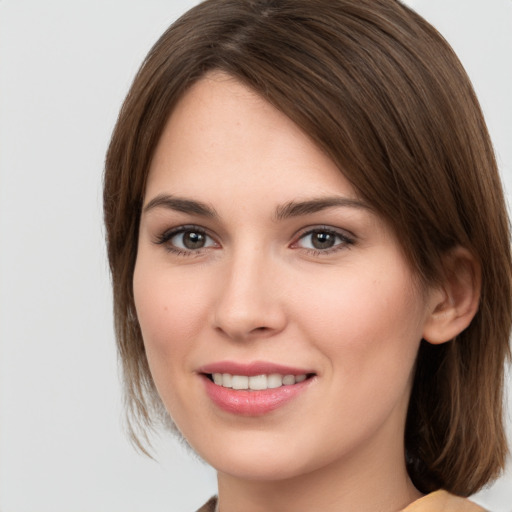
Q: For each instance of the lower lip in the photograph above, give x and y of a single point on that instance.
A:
(253, 403)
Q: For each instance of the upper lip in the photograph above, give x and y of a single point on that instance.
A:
(251, 369)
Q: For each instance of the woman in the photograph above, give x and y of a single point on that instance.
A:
(310, 257)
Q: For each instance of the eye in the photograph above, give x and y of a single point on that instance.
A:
(191, 240)
(186, 239)
(323, 240)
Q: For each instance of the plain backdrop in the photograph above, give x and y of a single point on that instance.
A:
(65, 66)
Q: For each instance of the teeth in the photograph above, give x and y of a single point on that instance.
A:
(239, 381)
(288, 380)
(227, 380)
(256, 382)
(274, 381)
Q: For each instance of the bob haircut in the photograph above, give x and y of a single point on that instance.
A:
(383, 94)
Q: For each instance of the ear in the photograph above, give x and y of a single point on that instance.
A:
(455, 301)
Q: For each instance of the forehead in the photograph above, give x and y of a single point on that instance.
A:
(222, 136)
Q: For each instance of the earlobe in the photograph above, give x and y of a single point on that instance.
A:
(455, 302)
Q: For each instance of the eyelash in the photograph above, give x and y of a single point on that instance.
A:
(164, 239)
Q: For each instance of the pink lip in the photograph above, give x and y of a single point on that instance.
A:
(252, 403)
(251, 369)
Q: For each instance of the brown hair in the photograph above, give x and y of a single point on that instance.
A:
(383, 94)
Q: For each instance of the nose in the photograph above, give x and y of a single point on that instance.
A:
(249, 303)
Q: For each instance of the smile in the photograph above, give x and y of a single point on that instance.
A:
(254, 389)
(256, 382)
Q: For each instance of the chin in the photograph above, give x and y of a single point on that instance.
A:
(258, 469)
(254, 456)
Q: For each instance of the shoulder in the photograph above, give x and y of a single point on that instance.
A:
(209, 506)
(442, 501)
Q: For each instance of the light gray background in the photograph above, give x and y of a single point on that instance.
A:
(65, 66)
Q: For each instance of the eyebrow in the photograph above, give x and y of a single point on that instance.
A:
(180, 204)
(282, 212)
(298, 208)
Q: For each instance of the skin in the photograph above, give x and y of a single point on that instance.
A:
(258, 290)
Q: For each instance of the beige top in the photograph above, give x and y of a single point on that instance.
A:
(439, 501)
(442, 501)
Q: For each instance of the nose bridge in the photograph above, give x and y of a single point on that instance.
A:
(247, 302)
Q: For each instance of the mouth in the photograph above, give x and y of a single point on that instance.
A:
(254, 389)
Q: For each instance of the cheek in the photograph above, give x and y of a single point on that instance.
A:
(369, 334)
(370, 325)
(169, 311)
(170, 314)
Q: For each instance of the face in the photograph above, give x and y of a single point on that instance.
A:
(280, 319)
